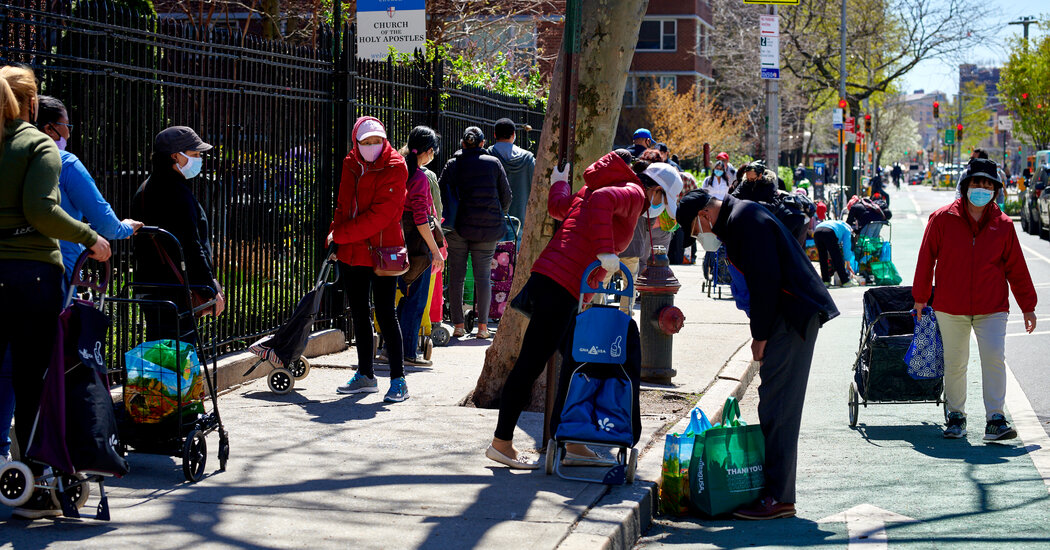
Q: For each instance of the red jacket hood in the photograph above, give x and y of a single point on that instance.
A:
(386, 158)
(609, 170)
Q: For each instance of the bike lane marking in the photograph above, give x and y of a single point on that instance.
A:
(1029, 428)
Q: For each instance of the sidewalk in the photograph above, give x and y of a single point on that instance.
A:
(317, 469)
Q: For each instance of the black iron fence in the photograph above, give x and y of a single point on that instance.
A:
(273, 111)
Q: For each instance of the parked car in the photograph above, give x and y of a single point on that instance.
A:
(1036, 201)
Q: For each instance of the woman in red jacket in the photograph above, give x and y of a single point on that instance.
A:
(598, 222)
(368, 215)
(972, 292)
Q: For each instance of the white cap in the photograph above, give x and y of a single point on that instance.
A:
(370, 128)
(670, 181)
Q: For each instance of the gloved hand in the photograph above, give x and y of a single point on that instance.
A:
(610, 262)
(560, 175)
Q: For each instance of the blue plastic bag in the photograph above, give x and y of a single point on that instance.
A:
(925, 356)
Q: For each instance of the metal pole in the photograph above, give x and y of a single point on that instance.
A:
(772, 118)
(842, 95)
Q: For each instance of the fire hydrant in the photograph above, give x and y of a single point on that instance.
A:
(660, 319)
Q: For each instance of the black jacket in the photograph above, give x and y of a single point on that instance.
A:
(476, 195)
(763, 189)
(780, 278)
(165, 201)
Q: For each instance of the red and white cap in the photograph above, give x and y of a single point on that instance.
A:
(370, 128)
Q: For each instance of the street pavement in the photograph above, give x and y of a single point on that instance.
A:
(313, 469)
(894, 480)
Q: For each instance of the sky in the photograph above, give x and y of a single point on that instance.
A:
(944, 76)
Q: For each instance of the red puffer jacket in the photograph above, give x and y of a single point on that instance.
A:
(371, 200)
(598, 219)
(972, 278)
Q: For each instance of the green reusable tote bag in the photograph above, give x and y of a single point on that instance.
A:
(726, 470)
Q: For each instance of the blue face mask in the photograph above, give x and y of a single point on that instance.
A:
(979, 196)
(719, 173)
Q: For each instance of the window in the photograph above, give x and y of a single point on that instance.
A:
(701, 39)
(634, 91)
(658, 35)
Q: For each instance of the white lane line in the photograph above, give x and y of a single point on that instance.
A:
(1039, 333)
(1028, 427)
(1034, 253)
(918, 211)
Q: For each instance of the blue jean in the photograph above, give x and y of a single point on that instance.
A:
(410, 312)
(7, 404)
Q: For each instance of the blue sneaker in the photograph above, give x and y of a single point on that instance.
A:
(398, 391)
(998, 428)
(359, 384)
(956, 428)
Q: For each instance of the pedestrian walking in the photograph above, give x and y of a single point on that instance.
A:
(597, 223)
(788, 305)
(165, 200)
(834, 240)
(420, 225)
(518, 164)
(372, 194)
(972, 293)
(31, 224)
(476, 196)
(897, 173)
(81, 198)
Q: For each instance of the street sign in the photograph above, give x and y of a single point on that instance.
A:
(769, 47)
(949, 136)
(382, 24)
(849, 125)
(1006, 124)
(836, 119)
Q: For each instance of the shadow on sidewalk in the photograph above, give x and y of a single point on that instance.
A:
(926, 438)
(729, 533)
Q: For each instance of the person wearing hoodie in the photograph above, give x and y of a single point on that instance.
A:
(31, 224)
(518, 164)
(476, 196)
(973, 284)
(165, 200)
(597, 222)
(788, 305)
(371, 200)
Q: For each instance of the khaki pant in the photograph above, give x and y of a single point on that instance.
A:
(991, 344)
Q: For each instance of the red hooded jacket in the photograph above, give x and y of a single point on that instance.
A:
(598, 219)
(371, 200)
(972, 277)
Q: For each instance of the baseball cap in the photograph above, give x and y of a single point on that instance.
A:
(370, 128)
(670, 181)
(722, 156)
(177, 139)
(642, 133)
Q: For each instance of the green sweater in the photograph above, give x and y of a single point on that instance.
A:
(29, 169)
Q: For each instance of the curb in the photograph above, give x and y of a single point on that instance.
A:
(231, 367)
(620, 517)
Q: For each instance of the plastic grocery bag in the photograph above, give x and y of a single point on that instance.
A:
(678, 451)
(925, 356)
(727, 466)
(155, 377)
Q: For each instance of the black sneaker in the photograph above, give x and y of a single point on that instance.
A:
(956, 428)
(998, 428)
(39, 506)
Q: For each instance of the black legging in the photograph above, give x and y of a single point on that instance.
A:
(552, 313)
(359, 282)
(828, 248)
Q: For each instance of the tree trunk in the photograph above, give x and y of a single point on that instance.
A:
(271, 14)
(608, 37)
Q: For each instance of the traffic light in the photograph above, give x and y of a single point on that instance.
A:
(867, 123)
(936, 109)
(958, 132)
(844, 105)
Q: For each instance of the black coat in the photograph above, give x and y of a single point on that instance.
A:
(165, 201)
(476, 195)
(780, 277)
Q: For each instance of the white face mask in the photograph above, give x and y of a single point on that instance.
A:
(370, 152)
(192, 168)
(708, 241)
(655, 210)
